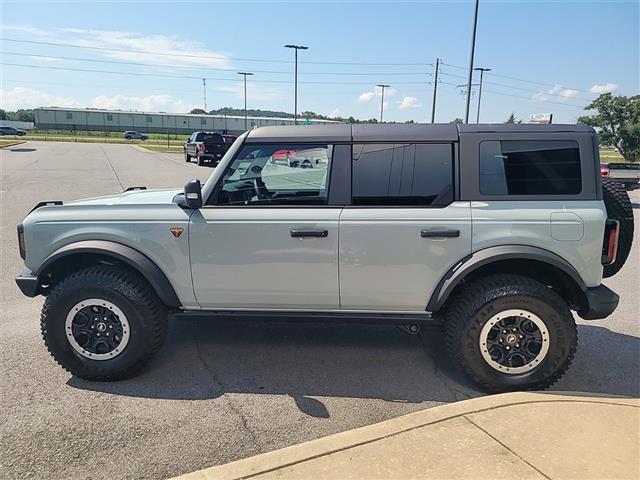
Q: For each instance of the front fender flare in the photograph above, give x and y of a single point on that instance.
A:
(478, 259)
(130, 256)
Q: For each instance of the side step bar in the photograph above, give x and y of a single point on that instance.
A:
(423, 319)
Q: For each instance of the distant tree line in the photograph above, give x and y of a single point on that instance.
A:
(21, 115)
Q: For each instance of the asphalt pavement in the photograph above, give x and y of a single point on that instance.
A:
(222, 391)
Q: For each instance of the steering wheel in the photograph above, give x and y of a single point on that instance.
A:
(260, 190)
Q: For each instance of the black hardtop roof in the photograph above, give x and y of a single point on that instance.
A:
(396, 132)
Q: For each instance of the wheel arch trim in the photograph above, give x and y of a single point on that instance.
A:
(487, 256)
(128, 255)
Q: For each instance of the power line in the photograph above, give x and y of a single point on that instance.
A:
(209, 57)
(189, 67)
(187, 77)
(522, 97)
(520, 79)
(519, 88)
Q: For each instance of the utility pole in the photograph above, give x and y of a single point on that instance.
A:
(295, 81)
(245, 74)
(481, 70)
(382, 101)
(204, 93)
(435, 91)
(473, 49)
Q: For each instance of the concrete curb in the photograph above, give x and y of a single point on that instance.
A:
(297, 454)
(17, 142)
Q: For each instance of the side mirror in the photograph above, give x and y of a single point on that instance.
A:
(192, 194)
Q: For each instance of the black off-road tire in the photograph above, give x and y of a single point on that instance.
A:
(187, 157)
(130, 292)
(618, 204)
(199, 161)
(481, 299)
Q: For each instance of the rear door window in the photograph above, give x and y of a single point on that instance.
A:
(530, 167)
(402, 174)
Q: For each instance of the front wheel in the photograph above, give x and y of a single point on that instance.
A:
(103, 323)
(509, 332)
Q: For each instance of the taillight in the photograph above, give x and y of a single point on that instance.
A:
(604, 170)
(201, 147)
(610, 244)
(21, 242)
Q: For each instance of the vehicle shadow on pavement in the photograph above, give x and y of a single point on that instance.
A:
(205, 359)
(21, 149)
(606, 362)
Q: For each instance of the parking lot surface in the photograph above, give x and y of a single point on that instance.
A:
(221, 391)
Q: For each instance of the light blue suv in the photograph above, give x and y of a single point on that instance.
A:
(494, 232)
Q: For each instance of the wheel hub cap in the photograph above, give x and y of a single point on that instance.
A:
(97, 329)
(514, 341)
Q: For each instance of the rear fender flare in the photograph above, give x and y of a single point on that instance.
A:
(476, 260)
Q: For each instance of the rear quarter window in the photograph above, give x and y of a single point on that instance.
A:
(530, 167)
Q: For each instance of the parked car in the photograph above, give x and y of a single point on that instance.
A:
(495, 233)
(627, 174)
(12, 131)
(205, 147)
(132, 135)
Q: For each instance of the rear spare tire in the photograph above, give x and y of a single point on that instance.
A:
(618, 205)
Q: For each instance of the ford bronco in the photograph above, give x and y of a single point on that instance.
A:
(493, 232)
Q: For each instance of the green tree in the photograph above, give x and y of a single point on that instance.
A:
(3, 114)
(512, 118)
(617, 122)
(198, 111)
(457, 121)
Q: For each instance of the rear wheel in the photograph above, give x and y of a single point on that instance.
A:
(618, 205)
(199, 160)
(187, 157)
(510, 332)
(127, 137)
(103, 323)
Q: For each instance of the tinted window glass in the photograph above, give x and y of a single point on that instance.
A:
(209, 137)
(277, 175)
(522, 167)
(402, 174)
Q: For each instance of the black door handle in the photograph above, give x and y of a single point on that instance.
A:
(440, 233)
(302, 233)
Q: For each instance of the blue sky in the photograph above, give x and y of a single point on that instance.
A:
(545, 56)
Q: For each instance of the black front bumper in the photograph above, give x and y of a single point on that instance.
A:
(600, 302)
(28, 283)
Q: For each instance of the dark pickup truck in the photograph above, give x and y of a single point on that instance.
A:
(205, 147)
(626, 173)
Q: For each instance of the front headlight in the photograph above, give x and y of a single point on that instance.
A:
(21, 242)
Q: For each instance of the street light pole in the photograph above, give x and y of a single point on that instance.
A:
(204, 93)
(481, 70)
(295, 92)
(244, 75)
(473, 48)
(435, 91)
(382, 101)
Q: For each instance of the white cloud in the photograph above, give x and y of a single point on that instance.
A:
(557, 92)
(376, 92)
(605, 88)
(38, 58)
(23, 97)
(409, 102)
(366, 96)
(150, 103)
(181, 52)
